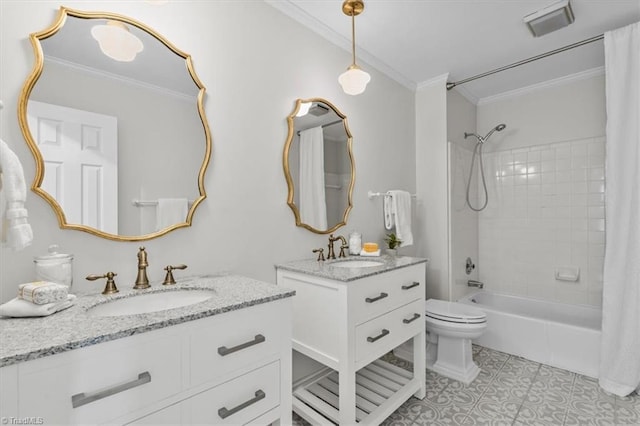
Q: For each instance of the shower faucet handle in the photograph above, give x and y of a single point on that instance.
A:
(469, 266)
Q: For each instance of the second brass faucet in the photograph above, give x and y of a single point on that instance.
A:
(142, 281)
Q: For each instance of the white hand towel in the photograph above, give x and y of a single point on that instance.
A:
(401, 210)
(387, 209)
(171, 211)
(14, 193)
(21, 308)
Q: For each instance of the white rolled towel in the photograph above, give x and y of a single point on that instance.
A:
(21, 308)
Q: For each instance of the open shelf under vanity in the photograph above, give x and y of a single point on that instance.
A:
(380, 386)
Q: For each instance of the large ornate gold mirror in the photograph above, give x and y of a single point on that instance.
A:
(319, 166)
(113, 114)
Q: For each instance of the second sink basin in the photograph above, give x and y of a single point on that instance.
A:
(150, 302)
(356, 264)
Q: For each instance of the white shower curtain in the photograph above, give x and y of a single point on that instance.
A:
(313, 205)
(620, 347)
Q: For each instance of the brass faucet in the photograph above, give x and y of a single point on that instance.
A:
(142, 281)
(168, 279)
(320, 252)
(332, 253)
(110, 287)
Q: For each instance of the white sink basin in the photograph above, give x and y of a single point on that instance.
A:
(356, 264)
(150, 302)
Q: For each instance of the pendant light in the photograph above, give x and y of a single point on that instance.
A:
(354, 80)
(116, 41)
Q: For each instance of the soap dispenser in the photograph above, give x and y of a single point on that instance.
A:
(55, 267)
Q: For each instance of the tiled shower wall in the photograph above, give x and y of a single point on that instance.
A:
(546, 210)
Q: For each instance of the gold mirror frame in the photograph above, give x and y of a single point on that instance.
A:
(287, 171)
(22, 117)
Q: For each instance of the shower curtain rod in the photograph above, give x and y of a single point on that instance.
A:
(525, 61)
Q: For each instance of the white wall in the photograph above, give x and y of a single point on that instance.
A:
(431, 185)
(463, 222)
(255, 62)
(546, 183)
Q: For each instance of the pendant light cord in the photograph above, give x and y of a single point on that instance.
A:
(353, 36)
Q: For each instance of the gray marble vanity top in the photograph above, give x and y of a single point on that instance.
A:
(326, 270)
(23, 339)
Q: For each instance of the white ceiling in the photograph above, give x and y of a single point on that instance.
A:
(415, 41)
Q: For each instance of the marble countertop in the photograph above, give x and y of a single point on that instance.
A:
(23, 339)
(326, 270)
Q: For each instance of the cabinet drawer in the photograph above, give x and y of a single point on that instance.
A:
(376, 337)
(240, 400)
(102, 382)
(379, 294)
(236, 340)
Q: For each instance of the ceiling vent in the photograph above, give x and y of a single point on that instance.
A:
(318, 110)
(551, 18)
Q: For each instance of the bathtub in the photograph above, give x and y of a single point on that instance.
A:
(557, 334)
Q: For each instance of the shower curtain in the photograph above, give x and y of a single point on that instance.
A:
(313, 205)
(620, 347)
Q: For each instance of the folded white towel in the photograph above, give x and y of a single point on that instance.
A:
(21, 308)
(171, 211)
(401, 210)
(14, 194)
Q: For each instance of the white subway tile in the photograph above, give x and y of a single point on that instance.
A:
(596, 187)
(563, 151)
(596, 173)
(563, 176)
(596, 212)
(548, 154)
(578, 149)
(563, 164)
(596, 225)
(579, 162)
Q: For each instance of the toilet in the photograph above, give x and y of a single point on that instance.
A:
(450, 328)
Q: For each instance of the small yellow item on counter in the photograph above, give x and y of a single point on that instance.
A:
(370, 247)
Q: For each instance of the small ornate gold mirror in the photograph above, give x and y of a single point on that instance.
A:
(113, 114)
(318, 165)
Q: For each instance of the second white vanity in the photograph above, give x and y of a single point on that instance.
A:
(346, 315)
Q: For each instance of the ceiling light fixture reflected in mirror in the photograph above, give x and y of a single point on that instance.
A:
(354, 80)
(116, 41)
(304, 109)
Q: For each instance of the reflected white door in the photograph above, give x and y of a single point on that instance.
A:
(80, 151)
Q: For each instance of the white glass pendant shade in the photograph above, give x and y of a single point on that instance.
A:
(116, 41)
(304, 109)
(354, 81)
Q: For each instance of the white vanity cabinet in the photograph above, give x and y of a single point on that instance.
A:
(229, 368)
(347, 325)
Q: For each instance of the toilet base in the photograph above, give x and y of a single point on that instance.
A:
(453, 358)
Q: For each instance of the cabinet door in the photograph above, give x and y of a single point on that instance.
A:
(101, 382)
(238, 401)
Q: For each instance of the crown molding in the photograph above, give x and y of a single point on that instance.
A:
(556, 82)
(440, 79)
(116, 77)
(293, 11)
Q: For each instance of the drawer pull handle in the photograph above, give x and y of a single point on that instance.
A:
(375, 299)
(224, 413)
(412, 319)
(379, 336)
(81, 399)
(412, 285)
(223, 350)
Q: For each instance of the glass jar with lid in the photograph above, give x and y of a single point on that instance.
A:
(355, 243)
(55, 267)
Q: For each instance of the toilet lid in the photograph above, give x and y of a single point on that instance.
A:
(454, 312)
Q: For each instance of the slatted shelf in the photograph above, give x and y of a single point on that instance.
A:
(375, 384)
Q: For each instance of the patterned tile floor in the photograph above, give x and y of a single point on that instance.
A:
(513, 391)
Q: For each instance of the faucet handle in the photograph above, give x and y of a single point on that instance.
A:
(110, 287)
(342, 247)
(168, 279)
(320, 252)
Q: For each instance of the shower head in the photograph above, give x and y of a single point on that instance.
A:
(500, 127)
